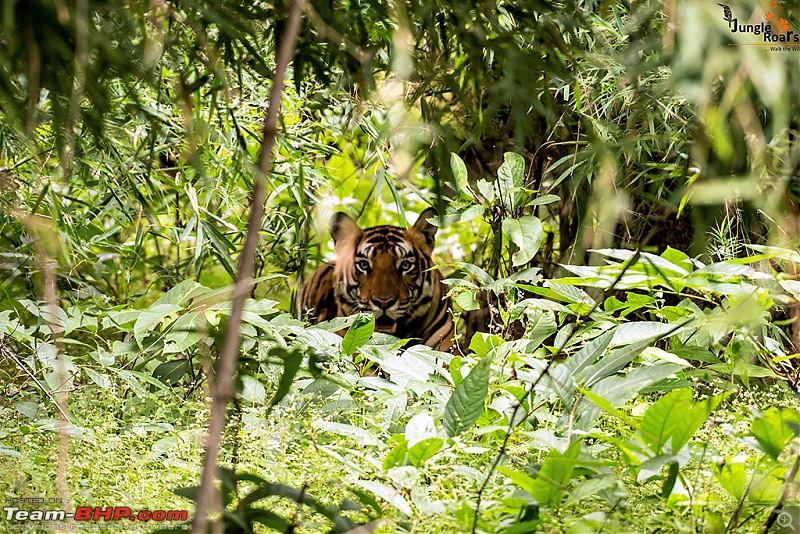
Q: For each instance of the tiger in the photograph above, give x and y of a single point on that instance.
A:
(385, 271)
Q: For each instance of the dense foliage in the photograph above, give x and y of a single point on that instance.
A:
(617, 195)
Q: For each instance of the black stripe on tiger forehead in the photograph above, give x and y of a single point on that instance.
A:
(384, 238)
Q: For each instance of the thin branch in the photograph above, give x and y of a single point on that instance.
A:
(6, 352)
(223, 384)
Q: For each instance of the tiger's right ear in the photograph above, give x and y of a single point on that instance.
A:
(343, 227)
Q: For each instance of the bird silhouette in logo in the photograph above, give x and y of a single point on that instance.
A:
(727, 15)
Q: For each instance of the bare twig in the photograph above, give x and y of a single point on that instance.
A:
(8, 353)
(223, 384)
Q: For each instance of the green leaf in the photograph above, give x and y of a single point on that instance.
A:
(544, 199)
(588, 354)
(389, 494)
(525, 232)
(520, 479)
(396, 456)
(362, 436)
(733, 477)
(358, 333)
(614, 361)
(149, 318)
(481, 343)
(466, 402)
(182, 334)
(775, 429)
(669, 483)
(164, 445)
(253, 390)
(97, 378)
(424, 450)
(291, 364)
(675, 417)
(26, 408)
(181, 293)
(466, 300)
(460, 175)
(677, 257)
(510, 179)
(171, 372)
(472, 212)
(554, 476)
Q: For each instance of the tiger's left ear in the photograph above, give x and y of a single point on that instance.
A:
(343, 228)
(425, 228)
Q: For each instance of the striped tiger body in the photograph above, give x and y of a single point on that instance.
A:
(385, 271)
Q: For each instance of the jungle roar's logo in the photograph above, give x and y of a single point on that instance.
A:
(773, 31)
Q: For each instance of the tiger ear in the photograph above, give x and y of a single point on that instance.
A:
(343, 227)
(424, 227)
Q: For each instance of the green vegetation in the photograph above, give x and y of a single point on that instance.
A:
(617, 197)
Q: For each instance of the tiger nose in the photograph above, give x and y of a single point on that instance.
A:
(383, 302)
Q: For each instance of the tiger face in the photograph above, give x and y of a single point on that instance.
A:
(385, 271)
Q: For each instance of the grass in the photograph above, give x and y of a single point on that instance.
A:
(123, 459)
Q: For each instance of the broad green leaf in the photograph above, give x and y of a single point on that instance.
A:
(481, 343)
(418, 428)
(554, 476)
(619, 389)
(358, 333)
(540, 325)
(677, 257)
(171, 372)
(526, 233)
(181, 293)
(610, 408)
(733, 477)
(182, 334)
(639, 330)
(27, 408)
(510, 179)
(460, 175)
(775, 429)
(590, 487)
(253, 390)
(467, 401)
(588, 354)
(424, 450)
(149, 318)
(466, 300)
(614, 361)
(660, 354)
(472, 212)
(121, 319)
(520, 479)
(476, 272)
(164, 445)
(97, 378)
(674, 418)
(487, 190)
(669, 482)
(158, 384)
(396, 456)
